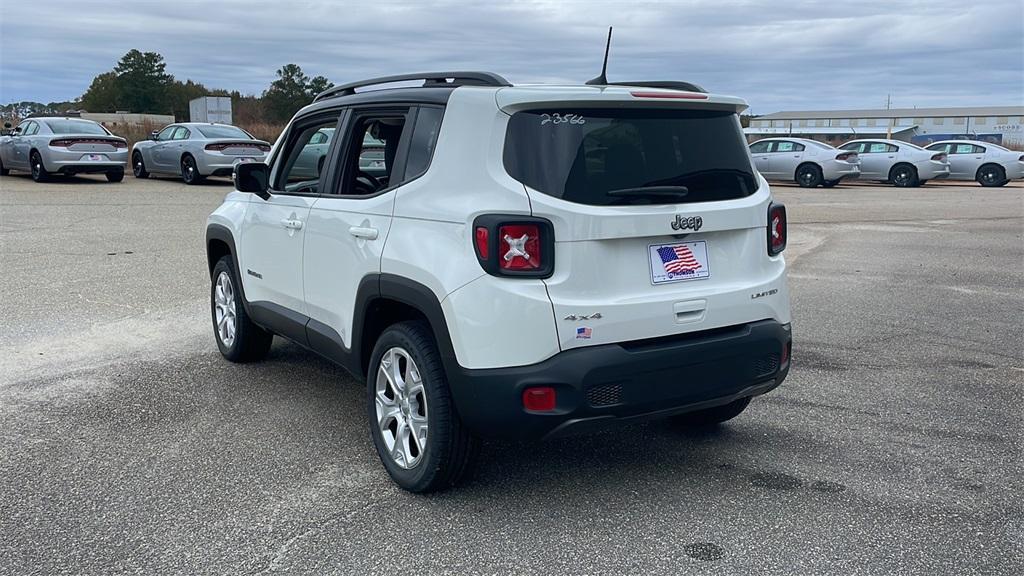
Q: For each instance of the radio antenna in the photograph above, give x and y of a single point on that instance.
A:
(602, 80)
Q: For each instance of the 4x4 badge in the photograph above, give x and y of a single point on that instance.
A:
(594, 316)
(689, 223)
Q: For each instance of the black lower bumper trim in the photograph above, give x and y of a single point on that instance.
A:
(601, 385)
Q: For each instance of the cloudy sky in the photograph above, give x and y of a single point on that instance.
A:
(796, 54)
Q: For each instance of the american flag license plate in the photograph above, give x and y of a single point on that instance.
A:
(679, 261)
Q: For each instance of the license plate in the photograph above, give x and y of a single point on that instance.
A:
(245, 160)
(679, 262)
(95, 157)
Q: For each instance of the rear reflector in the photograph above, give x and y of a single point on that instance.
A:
(482, 239)
(539, 399)
(519, 247)
(676, 95)
(785, 353)
(777, 228)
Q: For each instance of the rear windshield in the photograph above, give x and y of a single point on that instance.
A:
(75, 127)
(582, 155)
(214, 131)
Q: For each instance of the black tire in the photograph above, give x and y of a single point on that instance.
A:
(4, 171)
(991, 175)
(39, 173)
(115, 175)
(190, 171)
(808, 176)
(139, 166)
(829, 183)
(451, 450)
(712, 416)
(250, 343)
(904, 176)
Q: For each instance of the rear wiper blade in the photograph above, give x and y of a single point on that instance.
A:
(650, 192)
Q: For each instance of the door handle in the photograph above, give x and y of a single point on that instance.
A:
(292, 223)
(360, 232)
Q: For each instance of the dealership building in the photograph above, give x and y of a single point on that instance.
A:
(922, 126)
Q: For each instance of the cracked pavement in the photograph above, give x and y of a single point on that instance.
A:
(130, 447)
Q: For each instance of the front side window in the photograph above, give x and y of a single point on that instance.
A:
(166, 133)
(30, 129)
(604, 157)
(304, 158)
(853, 147)
(940, 147)
(180, 133)
(759, 147)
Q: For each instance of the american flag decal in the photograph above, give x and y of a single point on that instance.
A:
(678, 259)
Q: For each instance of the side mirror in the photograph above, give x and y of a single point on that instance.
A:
(254, 178)
(153, 135)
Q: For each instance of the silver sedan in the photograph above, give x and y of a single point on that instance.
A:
(196, 150)
(45, 146)
(988, 164)
(809, 163)
(901, 163)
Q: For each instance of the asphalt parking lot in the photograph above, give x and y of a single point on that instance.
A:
(130, 446)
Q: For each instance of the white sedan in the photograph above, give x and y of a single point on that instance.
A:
(901, 163)
(806, 162)
(988, 164)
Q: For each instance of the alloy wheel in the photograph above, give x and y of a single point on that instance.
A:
(990, 176)
(224, 304)
(401, 403)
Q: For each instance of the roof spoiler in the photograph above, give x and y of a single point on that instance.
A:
(430, 79)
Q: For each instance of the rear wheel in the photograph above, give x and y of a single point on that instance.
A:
(115, 175)
(991, 175)
(712, 416)
(189, 171)
(238, 338)
(808, 176)
(3, 171)
(139, 166)
(903, 176)
(39, 173)
(419, 437)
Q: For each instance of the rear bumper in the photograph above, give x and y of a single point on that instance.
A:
(77, 162)
(218, 164)
(932, 170)
(598, 386)
(841, 171)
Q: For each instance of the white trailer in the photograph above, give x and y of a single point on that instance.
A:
(210, 109)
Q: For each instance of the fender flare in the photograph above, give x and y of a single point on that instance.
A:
(221, 233)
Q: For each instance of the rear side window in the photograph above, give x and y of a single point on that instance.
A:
(424, 139)
(582, 155)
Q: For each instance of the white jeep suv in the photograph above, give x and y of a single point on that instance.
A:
(530, 261)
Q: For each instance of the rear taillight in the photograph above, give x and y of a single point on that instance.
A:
(514, 245)
(777, 228)
(218, 146)
(540, 399)
(941, 157)
(61, 143)
(264, 147)
(66, 142)
(1021, 159)
(120, 144)
(847, 157)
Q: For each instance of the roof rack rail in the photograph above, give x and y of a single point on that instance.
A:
(442, 79)
(670, 84)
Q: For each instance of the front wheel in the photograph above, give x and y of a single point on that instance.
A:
(419, 437)
(139, 166)
(712, 416)
(904, 176)
(39, 173)
(808, 176)
(115, 175)
(190, 171)
(991, 175)
(238, 338)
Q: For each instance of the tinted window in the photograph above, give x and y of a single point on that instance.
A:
(217, 131)
(581, 155)
(759, 147)
(939, 147)
(75, 127)
(853, 147)
(424, 138)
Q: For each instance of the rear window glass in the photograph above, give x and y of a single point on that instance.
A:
(214, 131)
(582, 155)
(75, 127)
